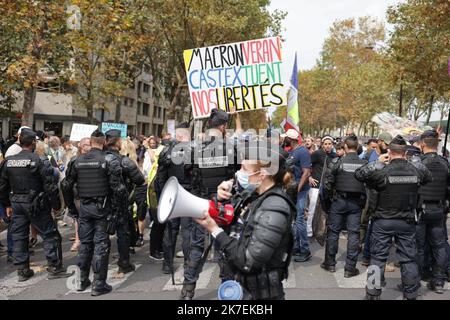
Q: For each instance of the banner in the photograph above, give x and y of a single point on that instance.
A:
(80, 131)
(106, 126)
(240, 76)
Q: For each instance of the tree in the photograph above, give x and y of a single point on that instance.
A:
(173, 26)
(32, 47)
(419, 49)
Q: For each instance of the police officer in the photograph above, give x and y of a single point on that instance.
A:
(215, 161)
(28, 180)
(397, 182)
(175, 161)
(133, 178)
(98, 179)
(348, 197)
(433, 199)
(260, 253)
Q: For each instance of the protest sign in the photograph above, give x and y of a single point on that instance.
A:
(171, 127)
(240, 76)
(80, 131)
(118, 126)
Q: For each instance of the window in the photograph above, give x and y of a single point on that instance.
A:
(146, 88)
(155, 111)
(164, 113)
(145, 107)
(131, 103)
(159, 112)
(125, 102)
(139, 88)
(139, 108)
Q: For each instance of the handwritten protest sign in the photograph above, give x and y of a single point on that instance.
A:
(238, 76)
(80, 131)
(118, 126)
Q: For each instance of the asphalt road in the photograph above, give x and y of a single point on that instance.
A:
(307, 281)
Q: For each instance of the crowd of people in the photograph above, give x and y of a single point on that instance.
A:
(379, 192)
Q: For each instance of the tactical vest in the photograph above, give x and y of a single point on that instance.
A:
(92, 175)
(400, 192)
(279, 260)
(23, 173)
(437, 189)
(178, 169)
(215, 166)
(345, 178)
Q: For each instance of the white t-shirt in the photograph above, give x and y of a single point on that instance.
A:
(13, 150)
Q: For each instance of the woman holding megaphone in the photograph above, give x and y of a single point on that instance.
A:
(260, 255)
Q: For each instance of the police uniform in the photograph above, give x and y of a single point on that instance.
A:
(259, 248)
(433, 199)
(132, 177)
(348, 197)
(395, 216)
(28, 181)
(98, 179)
(175, 161)
(215, 162)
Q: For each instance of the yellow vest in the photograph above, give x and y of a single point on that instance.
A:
(151, 195)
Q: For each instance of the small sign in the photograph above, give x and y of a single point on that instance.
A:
(80, 131)
(106, 126)
(171, 128)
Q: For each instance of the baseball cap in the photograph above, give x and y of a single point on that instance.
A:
(429, 134)
(292, 134)
(21, 128)
(386, 137)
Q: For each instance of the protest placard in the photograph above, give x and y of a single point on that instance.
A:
(118, 126)
(240, 76)
(171, 127)
(80, 131)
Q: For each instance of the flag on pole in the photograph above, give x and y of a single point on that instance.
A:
(292, 116)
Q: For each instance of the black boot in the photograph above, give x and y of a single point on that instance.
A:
(188, 291)
(327, 267)
(352, 273)
(126, 267)
(166, 269)
(371, 297)
(100, 287)
(57, 272)
(85, 282)
(25, 274)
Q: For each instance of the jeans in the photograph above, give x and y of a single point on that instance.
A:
(300, 223)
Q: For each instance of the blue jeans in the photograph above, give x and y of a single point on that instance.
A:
(300, 223)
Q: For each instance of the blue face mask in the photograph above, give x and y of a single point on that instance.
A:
(242, 178)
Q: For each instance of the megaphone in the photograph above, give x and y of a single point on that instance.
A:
(176, 202)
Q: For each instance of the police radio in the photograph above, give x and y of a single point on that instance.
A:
(176, 202)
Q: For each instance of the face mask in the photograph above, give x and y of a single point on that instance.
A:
(242, 178)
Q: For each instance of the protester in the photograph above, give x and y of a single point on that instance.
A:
(302, 171)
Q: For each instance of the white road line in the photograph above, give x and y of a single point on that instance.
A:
(113, 279)
(10, 286)
(202, 282)
(291, 282)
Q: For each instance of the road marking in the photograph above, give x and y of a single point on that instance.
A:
(358, 282)
(203, 280)
(290, 282)
(10, 285)
(114, 279)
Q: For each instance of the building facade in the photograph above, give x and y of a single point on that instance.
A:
(141, 109)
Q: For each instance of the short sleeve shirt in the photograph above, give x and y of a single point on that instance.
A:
(302, 160)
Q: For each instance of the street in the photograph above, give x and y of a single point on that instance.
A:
(307, 281)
